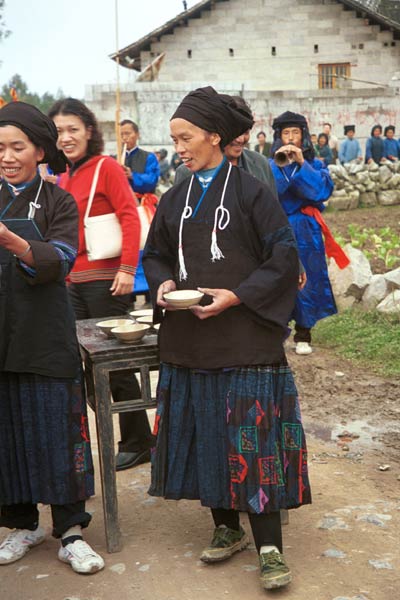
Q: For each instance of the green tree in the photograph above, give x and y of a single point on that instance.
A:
(3, 30)
(43, 102)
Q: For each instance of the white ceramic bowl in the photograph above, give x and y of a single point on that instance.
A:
(106, 326)
(145, 312)
(130, 333)
(183, 298)
(148, 319)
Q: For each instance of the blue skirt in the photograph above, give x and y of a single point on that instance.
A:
(316, 300)
(45, 453)
(231, 438)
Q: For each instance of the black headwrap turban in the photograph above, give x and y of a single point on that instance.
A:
(348, 128)
(291, 119)
(40, 130)
(216, 113)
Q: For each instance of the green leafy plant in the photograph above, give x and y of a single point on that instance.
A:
(383, 243)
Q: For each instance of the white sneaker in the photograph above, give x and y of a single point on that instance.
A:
(18, 542)
(81, 557)
(303, 348)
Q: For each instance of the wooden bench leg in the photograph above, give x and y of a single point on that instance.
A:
(105, 439)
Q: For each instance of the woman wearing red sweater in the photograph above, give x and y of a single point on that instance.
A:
(101, 288)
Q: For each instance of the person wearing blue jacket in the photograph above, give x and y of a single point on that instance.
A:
(350, 148)
(303, 185)
(391, 146)
(141, 167)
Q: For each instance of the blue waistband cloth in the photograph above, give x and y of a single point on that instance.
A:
(231, 438)
(45, 451)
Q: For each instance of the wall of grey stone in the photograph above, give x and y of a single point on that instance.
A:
(360, 185)
(152, 104)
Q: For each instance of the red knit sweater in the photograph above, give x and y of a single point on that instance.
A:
(113, 194)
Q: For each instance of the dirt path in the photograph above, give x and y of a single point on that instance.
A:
(343, 547)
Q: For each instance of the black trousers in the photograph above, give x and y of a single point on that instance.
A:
(93, 299)
(26, 516)
(302, 334)
(266, 528)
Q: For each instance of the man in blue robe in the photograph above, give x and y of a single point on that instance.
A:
(303, 185)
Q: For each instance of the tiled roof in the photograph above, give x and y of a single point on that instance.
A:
(130, 55)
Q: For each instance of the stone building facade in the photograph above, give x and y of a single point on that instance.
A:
(317, 57)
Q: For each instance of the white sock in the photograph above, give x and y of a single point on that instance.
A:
(268, 549)
(75, 530)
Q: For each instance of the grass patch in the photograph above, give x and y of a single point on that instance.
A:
(371, 339)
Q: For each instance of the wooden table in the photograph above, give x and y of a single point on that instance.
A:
(101, 355)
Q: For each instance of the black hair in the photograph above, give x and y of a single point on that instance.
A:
(72, 106)
(132, 123)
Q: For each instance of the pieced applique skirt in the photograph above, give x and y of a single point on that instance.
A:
(231, 438)
(45, 453)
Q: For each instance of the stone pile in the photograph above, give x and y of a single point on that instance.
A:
(361, 185)
(357, 285)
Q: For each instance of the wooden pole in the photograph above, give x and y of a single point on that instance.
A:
(117, 90)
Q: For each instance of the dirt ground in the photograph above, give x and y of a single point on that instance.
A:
(345, 546)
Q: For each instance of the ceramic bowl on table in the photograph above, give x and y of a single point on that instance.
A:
(130, 333)
(148, 319)
(144, 312)
(109, 324)
(183, 298)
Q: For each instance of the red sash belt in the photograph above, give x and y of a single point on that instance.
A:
(332, 248)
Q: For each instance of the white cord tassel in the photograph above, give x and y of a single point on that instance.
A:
(186, 214)
(221, 221)
(34, 205)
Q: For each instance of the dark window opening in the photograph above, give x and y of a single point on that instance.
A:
(393, 44)
(361, 46)
(273, 50)
(231, 52)
(316, 49)
(189, 54)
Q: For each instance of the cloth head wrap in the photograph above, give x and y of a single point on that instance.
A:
(291, 119)
(40, 130)
(215, 113)
(348, 128)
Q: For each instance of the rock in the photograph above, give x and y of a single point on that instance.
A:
(374, 175)
(391, 304)
(362, 177)
(361, 187)
(394, 182)
(354, 199)
(340, 202)
(385, 173)
(379, 520)
(381, 564)
(353, 168)
(118, 568)
(373, 166)
(332, 553)
(368, 198)
(384, 467)
(371, 186)
(375, 292)
(332, 522)
(352, 280)
(393, 279)
(388, 197)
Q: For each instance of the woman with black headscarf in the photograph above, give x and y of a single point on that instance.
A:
(303, 185)
(45, 454)
(227, 424)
